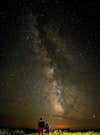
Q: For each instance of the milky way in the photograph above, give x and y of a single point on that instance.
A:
(49, 68)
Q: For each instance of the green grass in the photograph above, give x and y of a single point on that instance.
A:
(71, 133)
(20, 132)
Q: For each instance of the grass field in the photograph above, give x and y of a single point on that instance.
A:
(20, 132)
(76, 133)
(71, 133)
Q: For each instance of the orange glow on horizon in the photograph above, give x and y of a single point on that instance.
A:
(62, 126)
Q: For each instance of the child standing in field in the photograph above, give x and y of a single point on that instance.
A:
(47, 128)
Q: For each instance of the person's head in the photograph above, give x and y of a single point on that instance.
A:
(40, 118)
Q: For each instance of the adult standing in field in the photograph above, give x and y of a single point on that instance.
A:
(41, 126)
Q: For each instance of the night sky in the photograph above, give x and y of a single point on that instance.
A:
(50, 63)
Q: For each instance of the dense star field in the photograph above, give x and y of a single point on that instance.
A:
(49, 63)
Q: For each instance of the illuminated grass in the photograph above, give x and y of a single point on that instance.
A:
(71, 133)
(20, 132)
